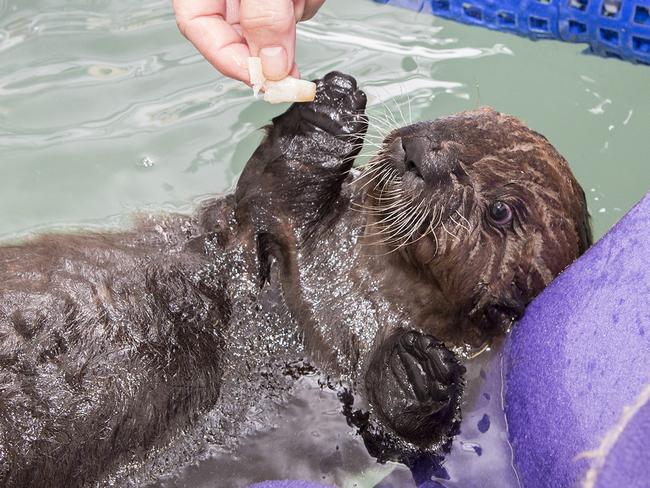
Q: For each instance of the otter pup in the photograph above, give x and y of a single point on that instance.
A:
(112, 345)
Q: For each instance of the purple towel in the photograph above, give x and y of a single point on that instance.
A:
(289, 484)
(580, 356)
(621, 464)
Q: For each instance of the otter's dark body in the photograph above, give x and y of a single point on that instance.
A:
(111, 344)
(107, 341)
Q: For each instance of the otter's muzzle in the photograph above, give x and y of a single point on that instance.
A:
(426, 160)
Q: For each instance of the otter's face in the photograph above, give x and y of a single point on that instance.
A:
(483, 208)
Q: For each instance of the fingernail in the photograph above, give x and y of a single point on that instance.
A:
(274, 62)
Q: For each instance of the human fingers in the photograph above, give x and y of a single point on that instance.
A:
(205, 24)
(269, 28)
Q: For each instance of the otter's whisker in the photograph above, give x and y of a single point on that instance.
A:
(371, 209)
(453, 236)
(458, 224)
(391, 176)
(367, 142)
(378, 158)
(394, 217)
(400, 220)
(408, 97)
(390, 119)
(435, 238)
(389, 196)
(469, 225)
(388, 201)
(399, 106)
(381, 116)
(404, 240)
(419, 224)
(381, 127)
(389, 191)
(376, 174)
(396, 213)
(373, 165)
(375, 158)
(432, 229)
(370, 170)
(392, 115)
(404, 222)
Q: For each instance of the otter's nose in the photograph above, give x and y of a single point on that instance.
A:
(423, 158)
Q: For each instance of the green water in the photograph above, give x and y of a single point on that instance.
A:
(105, 109)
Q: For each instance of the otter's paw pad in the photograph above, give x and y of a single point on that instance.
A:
(419, 388)
(338, 107)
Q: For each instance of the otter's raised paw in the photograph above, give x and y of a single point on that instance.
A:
(415, 385)
(338, 109)
(339, 105)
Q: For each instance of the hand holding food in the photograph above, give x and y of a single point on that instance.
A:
(228, 32)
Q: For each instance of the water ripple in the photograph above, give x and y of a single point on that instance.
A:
(27, 24)
(338, 33)
(176, 108)
(378, 94)
(74, 73)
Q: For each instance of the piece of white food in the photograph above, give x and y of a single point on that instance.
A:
(256, 74)
(289, 89)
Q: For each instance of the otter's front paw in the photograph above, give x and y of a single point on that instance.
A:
(415, 384)
(338, 107)
(333, 124)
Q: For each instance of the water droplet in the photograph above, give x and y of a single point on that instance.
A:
(146, 162)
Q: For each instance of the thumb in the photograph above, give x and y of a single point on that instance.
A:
(269, 28)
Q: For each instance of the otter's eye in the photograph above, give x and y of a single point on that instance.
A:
(500, 213)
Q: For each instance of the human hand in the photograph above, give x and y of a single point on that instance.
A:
(228, 32)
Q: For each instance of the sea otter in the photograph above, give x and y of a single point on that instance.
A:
(113, 345)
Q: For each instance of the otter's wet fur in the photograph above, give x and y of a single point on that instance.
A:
(123, 355)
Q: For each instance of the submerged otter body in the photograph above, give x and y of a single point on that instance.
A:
(113, 345)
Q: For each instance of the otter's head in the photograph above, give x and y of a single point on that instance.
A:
(483, 209)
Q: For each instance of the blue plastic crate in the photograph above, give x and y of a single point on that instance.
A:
(619, 28)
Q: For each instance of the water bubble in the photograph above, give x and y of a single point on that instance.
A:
(146, 162)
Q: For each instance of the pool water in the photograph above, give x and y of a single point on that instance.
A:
(105, 109)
